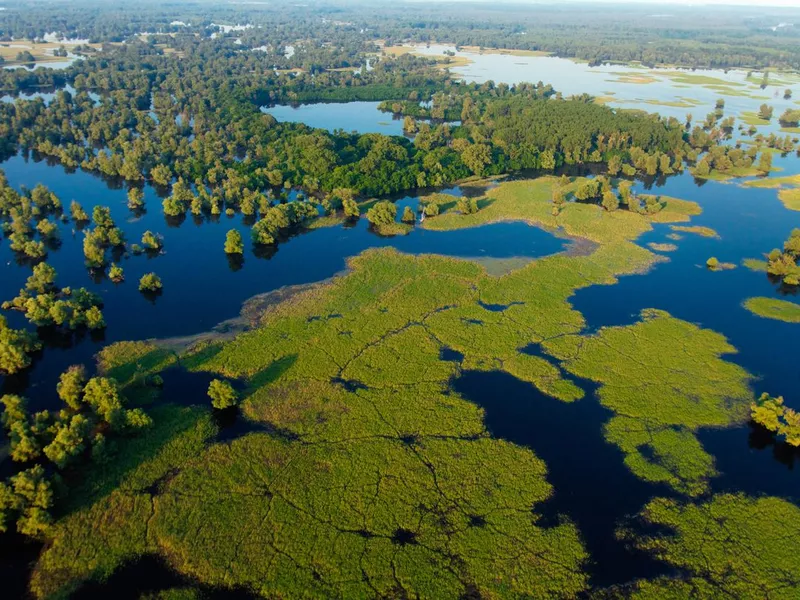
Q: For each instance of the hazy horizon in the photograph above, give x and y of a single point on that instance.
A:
(661, 3)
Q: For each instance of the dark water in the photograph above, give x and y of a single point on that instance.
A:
(17, 556)
(593, 488)
(201, 286)
(187, 388)
(750, 222)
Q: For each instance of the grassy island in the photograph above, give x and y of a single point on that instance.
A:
(774, 308)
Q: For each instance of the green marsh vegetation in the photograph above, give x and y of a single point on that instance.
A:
(659, 247)
(774, 308)
(755, 264)
(377, 478)
(790, 198)
(532, 201)
(774, 182)
(700, 230)
(369, 476)
(440, 518)
(728, 546)
(714, 264)
(753, 118)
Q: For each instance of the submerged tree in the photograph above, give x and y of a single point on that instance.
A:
(135, 198)
(351, 210)
(771, 413)
(116, 273)
(26, 499)
(151, 241)
(70, 386)
(222, 394)
(150, 282)
(234, 243)
(15, 348)
(382, 213)
(765, 162)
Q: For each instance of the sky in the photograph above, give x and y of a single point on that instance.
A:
(788, 3)
(662, 3)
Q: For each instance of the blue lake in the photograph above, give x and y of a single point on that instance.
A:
(363, 117)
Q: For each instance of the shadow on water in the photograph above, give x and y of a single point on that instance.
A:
(233, 425)
(187, 388)
(190, 388)
(150, 574)
(591, 484)
(17, 554)
(751, 460)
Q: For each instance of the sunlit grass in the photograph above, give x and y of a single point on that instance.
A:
(729, 546)
(664, 379)
(375, 478)
(774, 308)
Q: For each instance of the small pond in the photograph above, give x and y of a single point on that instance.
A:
(362, 117)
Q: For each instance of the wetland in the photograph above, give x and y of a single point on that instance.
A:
(513, 392)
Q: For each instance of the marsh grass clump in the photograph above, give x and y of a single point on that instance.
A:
(130, 362)
(714, 264)
(774, 308)
(696, 229)
(533, 201)
(662, 247)
(790, 198)
(729, 545)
